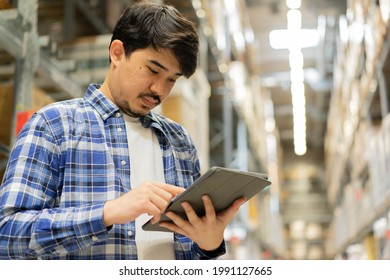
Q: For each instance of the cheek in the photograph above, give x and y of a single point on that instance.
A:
(138, 79)
(132, 82)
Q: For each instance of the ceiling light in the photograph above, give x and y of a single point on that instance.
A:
(293, 4)
(285, 39)
(294, 19)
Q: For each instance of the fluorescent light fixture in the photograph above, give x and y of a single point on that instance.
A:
(294, 19)
(297, 76)
(299, 116)
(295, 60)
(294, 39)
(293, 4)
(285, 39)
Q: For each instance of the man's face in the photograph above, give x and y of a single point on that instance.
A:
(143, 80)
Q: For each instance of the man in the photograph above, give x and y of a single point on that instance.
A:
(85, 174)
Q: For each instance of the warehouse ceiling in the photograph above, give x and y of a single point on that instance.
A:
(274, 69)
(304, 187)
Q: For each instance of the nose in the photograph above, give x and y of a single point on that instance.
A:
(159, 88)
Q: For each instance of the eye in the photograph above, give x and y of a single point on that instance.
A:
(172, 80)
(153, 71)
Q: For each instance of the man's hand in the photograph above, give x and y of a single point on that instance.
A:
(149, 197)
(206, 231)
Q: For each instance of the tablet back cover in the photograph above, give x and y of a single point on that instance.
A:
(223, 185)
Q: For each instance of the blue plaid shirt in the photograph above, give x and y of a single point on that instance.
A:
(69, 159)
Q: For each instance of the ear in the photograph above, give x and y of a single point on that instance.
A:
(117, 51)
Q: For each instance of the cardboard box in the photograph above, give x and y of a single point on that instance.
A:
(40, 99)
(6, 112)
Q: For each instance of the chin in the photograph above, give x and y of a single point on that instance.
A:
(137, 114)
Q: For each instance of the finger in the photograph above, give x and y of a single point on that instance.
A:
(173, 190)
(155, 219)
(161, 195)
(160, 202)
(178, 221)
(208, 207)
(161, 190)
(153, 210)
(191, 214)
(172, 227)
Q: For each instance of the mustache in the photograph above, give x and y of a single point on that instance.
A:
(152, 95)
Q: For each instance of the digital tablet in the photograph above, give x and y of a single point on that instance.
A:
(223, 185)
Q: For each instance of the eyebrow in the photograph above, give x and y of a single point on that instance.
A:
(158, 64)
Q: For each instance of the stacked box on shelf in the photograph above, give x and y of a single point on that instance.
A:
(384, 6)
(355, 51)
(333, 139)
(230, 25)
(364, 146)
(330, 241)
(375, 31)
(261, 121)
(351, 121)
(373, 169)
(334, 113)
(359, 153)
(364, 211)
(90, 56)
(384, 163)
(352, 215)
(270, 230)
(339, 130)
(6, 93)
(373, 39)
(377, 167)
(359, 7)
(264, 214)
(340, 234)
(39, 99)
(359, 174)
(336, 172)
(386, 156)
(216, 19)
(276, 239)
(367, 209)
(378, 24)
(238, 31)
(334, 146)
(349, 205)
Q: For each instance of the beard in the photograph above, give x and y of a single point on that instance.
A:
(126, 108)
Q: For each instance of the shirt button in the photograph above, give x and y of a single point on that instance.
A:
(123, 162)
(94, 239)
(129, 233)
(117, 115)
(119, 129)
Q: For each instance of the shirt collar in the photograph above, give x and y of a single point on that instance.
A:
(103, 105)
(149, 119)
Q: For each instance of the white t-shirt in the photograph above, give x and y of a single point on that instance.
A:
(146, 164)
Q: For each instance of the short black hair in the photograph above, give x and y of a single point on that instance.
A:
(144, 24)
